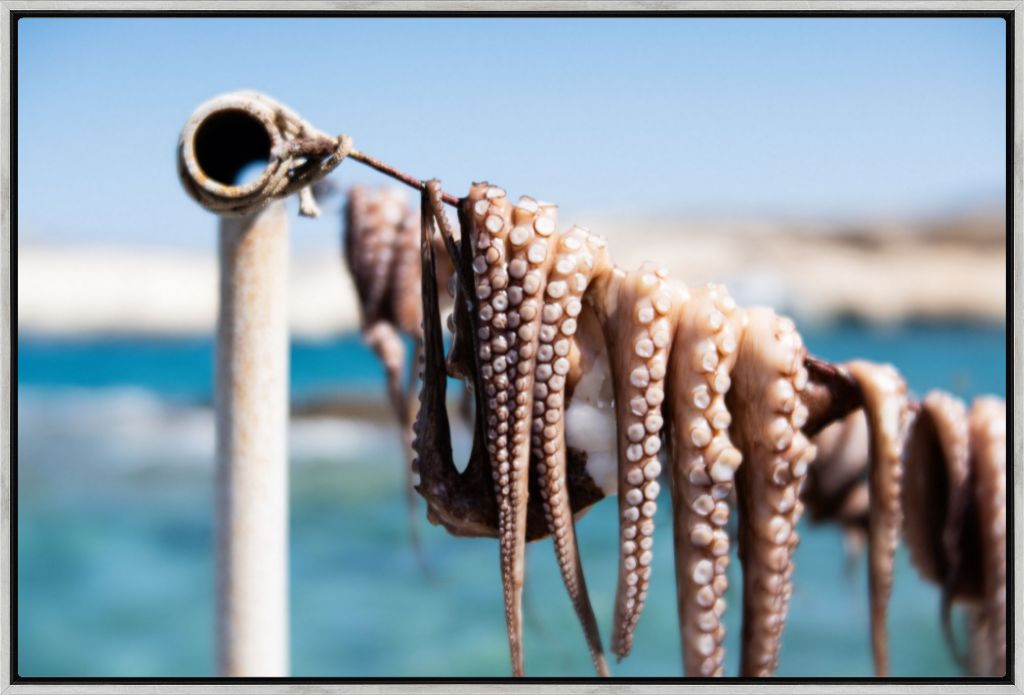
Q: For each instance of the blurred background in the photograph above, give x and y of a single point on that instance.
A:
(848, 172)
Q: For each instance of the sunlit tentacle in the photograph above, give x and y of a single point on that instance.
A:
(507, 370)
(887, 409)
(639, 322)
(560, 315)
(704, 463)
(767, 416)
(988, 464)
(837, 488)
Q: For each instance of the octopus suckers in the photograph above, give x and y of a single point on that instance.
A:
(494, 223)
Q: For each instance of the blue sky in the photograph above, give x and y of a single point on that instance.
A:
(794, 118)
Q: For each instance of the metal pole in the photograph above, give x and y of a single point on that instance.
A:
(252, 420)
(222, 137)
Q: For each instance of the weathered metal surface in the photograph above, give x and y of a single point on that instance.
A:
(252, 419)
(232, 130)
(222, 137)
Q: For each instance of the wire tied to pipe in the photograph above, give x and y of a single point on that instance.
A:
(233, 130)
(312, 160)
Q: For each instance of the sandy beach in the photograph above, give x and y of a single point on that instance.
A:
(945, 270)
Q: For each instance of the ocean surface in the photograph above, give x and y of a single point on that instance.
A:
(115, 531)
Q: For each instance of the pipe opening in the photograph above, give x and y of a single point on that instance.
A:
(228, 143)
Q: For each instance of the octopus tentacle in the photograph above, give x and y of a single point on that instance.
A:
(507, 335)
(704, 463)
(563, 305)
(638, 325)
(377, 235)
(463, 502)
(837, 487)
(403, 295)
(590, 395)
(768, 412)
(932, 541)
(987, 425)
(935, 496)
(439, 481)
(980, 658)
(387, 344)
(371, 225)
(887, 410)
(381, 250)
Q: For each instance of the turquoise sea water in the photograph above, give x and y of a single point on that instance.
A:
(115, 523)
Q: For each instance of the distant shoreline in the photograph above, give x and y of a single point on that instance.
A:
(951, 270)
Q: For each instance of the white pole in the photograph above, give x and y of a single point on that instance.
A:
(252, 420)
(222, 137)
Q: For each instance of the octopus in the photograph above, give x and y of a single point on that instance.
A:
(381, 250)
(587, 380)
(953, 504)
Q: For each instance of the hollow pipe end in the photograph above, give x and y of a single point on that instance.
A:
(222, 136)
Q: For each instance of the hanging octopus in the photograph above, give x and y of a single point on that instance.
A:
(381, 242)
(381, 251)
(587, 378)
(955, 505)
(953, 502)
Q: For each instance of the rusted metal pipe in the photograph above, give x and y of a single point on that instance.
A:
(223, 137)
(252, 463)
